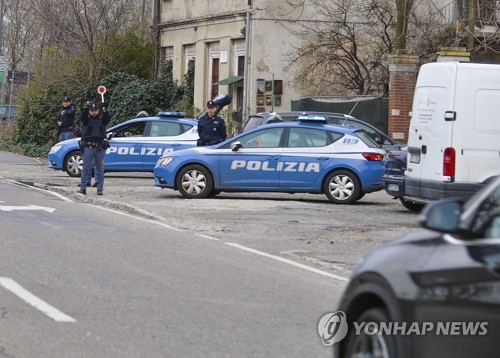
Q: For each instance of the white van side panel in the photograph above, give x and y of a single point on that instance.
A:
(429, 132)
(483, 153)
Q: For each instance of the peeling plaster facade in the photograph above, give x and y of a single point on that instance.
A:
(213, 34)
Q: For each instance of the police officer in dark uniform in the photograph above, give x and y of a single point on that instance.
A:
(93, 145)
(211, 127)
(65, 120)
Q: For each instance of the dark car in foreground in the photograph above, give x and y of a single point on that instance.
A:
(394, 178)
(338, 119)
(434, 292)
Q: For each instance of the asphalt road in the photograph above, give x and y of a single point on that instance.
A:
(304, 228)
(122, 286)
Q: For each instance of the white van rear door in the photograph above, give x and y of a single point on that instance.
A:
(430, 133)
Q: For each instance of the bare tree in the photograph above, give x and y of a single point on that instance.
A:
(345, 52)
(403, 10)
(22, 30)
(83, 27)
(346, 42)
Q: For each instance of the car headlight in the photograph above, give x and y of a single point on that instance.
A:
(55, 148)
(165, 160)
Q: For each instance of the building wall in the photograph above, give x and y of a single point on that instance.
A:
(202, 31)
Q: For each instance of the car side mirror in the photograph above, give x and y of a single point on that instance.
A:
(442, 216)
(110, 135)
(235, 146)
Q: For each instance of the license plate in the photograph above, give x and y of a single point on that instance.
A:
(393, 187)
(414, 158)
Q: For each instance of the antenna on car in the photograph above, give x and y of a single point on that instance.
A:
(374, 63)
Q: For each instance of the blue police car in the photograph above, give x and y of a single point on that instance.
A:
(136, 144)
(305, 156)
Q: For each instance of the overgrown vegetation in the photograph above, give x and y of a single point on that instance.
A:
(127, 95)
(71, 53)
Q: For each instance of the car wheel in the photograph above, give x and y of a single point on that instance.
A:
(342, 187)
(194, 181)
(372, 345)
(412, 206)
(73, 164)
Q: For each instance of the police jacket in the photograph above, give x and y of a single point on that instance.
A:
(94, 128)
(66, 115)
(211, 130)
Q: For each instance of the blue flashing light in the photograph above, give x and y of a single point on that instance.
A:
(171, 114)
(312, 118)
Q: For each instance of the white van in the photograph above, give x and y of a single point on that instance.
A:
(454, 136)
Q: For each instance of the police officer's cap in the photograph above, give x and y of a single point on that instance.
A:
(67, 99)
(210, 104)
(93, 107)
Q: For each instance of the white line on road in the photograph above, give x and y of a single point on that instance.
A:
(29, 207)
(36, 302)
(139, 218)
(62, 197)
(208, 237)
(290, 262)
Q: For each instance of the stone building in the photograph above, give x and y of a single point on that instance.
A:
(212, 34)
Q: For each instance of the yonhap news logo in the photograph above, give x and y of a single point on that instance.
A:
(333, 328)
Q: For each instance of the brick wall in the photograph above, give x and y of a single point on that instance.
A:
(402, 80)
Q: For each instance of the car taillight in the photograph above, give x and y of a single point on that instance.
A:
(449, 162)
(373, 156)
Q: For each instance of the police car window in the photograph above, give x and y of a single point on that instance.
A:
(186, 127)
(134, 129)
(487, 221)
(165, 129)
(266, 138)
(307, 137)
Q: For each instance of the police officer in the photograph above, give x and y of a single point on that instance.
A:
(211, 127)
(93, 145)
(65, 120)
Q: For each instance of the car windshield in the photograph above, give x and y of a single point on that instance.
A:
(253, 122)
(367, 138)
(372, 132)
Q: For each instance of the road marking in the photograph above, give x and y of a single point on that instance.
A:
(208, 237)
(26, 207)
(31, 299)
(290, 262)
(139, 218)
(62, 197)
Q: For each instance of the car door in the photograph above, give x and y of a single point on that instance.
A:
(305, 157)
(256, 163)
(126, 143)
(461, 283)
(163, 137)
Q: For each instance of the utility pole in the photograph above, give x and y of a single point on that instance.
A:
(272, 93)
(247, 62)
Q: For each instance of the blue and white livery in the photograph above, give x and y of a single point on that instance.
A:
(136, 145)
(307, 156)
